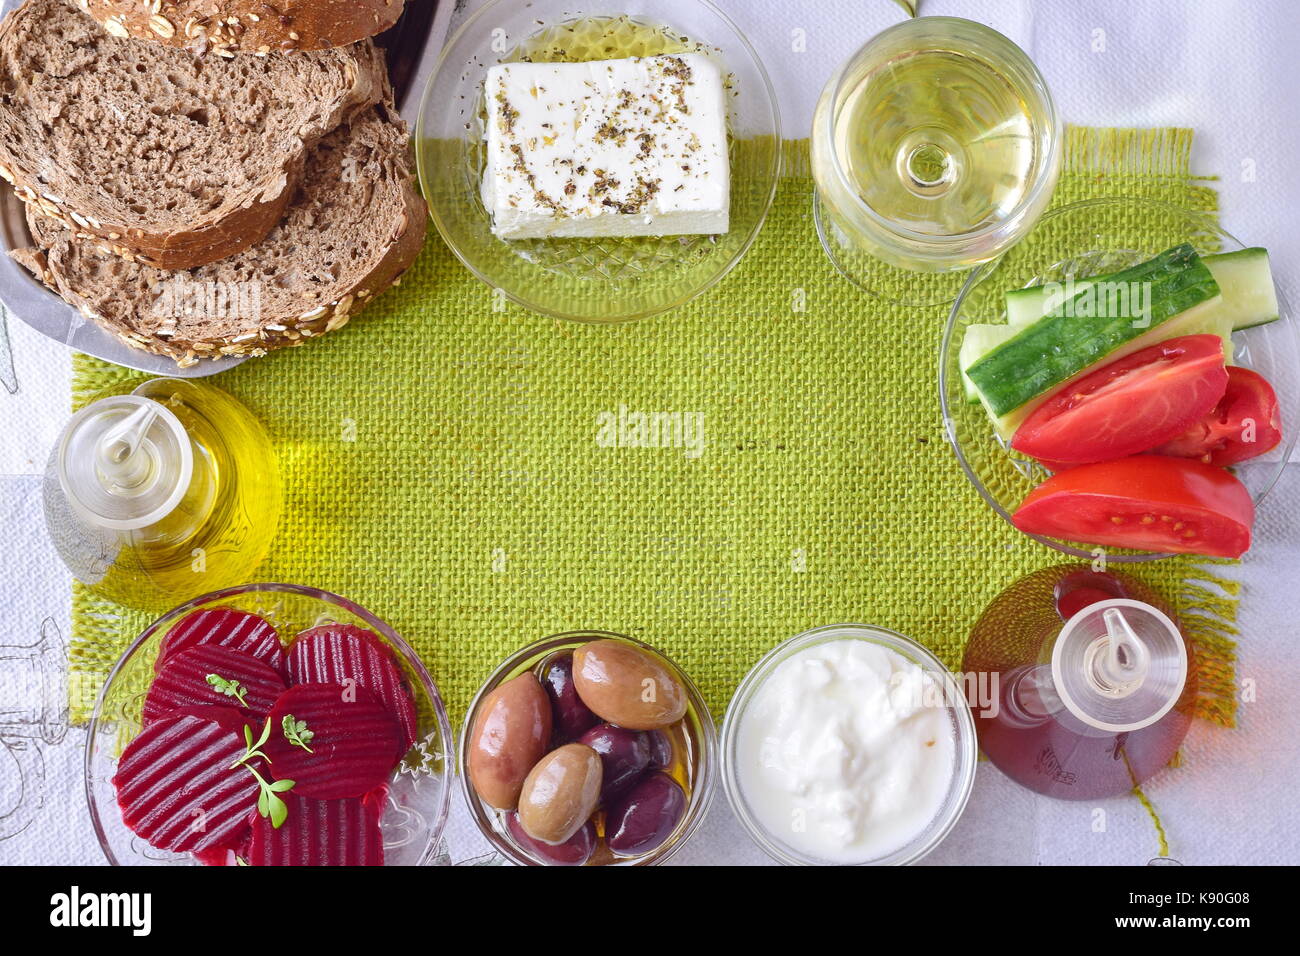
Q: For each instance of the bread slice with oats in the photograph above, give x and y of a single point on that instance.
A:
(250, 26)
(354, 226)
(167, 157)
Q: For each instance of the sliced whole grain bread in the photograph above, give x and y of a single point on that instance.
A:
(167, 157)
(355, 224)
(249, 26)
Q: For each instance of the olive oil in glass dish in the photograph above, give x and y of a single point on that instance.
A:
(597, 279)
(934, 148)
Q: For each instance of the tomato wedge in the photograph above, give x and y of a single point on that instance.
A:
(1147, 502)
(1245, 423)
(1130, 405)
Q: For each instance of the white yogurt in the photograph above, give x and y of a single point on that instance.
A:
(846, 752)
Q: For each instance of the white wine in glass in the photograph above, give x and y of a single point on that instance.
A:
(934, 148)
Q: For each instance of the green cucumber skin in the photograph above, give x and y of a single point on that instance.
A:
(1250, 252)
(1056, 347)
(1195, 321)
(1027, 305)
(983, 338)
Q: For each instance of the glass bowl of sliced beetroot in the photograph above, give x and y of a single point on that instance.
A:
(588, 749)
(1124, 383)
(269, 725)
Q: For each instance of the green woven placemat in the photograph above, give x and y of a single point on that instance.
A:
(478, 509)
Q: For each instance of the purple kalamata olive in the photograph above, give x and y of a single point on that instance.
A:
(574, 851)
(644, 817)
(571, 715)
(623, 754)
(661, 749)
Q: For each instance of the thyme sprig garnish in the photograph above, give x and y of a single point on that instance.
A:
(230, 688)
(269, 804)
(297, 733)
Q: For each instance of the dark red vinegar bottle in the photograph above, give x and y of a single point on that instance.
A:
(1086, 682)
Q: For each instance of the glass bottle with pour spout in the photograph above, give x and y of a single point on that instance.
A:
(1088, 681)
(163, 492)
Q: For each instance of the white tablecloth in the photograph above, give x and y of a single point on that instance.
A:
(1224, 68)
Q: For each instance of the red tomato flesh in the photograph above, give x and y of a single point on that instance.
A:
(1130, 405)
(1243, 424)
(1146, 502)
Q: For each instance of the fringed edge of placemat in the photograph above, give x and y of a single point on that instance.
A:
(796, 158)
(101, 636)
(1107, 151)
(90, 376)
(1207, 611)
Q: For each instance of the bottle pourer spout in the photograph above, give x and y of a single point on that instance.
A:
(1124, 662)
(1119, 664)
(118, 453)
(122, 463)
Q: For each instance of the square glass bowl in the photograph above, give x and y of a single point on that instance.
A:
(592, 279)
(1084, 239)
(419, 789)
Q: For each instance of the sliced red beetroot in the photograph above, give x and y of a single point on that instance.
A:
(226, 856)
(320, 833)
(228, 717)
(377, 798)
(217, 856)
(337, 653)
(176, 787)
(352, 738)
(238, 630)
(210, 674)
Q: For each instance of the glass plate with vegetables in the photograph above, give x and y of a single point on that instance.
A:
(1125, 382)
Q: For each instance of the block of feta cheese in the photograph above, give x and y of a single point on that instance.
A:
(629, 147)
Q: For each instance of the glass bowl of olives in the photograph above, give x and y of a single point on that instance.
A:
(588, 749)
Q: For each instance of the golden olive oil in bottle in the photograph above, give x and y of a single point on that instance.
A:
(159, 494)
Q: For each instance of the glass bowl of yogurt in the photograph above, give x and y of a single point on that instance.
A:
(848, 745)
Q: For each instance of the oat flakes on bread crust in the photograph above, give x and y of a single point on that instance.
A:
(165, 156)
(354, 226)
(226, 27)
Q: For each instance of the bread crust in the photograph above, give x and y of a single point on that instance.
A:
(228, 230)
(176, 250)
(402, 246)
(227, 27)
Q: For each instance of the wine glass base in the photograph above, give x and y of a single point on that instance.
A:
(888, 283)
